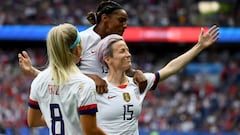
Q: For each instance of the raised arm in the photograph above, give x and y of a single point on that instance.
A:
(26, 64)
(205, 40)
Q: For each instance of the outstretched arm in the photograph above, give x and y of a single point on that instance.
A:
(26, 64)
(205, 40)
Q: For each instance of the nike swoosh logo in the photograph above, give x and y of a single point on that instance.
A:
(110, 97)
(93, 51)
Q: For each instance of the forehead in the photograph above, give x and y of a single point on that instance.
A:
(120, 13)
(119, 45)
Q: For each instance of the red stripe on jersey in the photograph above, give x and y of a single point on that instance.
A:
(122, 86)
(33, 102)
(87, 107)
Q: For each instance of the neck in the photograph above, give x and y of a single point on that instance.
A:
(117, 79)
(100, 30)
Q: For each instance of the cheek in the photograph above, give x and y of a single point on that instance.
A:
(114, 25)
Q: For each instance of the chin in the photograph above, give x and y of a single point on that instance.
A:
(130, 66)
(127, 68)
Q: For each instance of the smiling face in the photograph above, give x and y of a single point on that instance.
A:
(120, 59)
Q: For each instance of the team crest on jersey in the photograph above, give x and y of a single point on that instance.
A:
(126, 96)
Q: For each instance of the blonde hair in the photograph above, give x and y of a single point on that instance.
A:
(61, 59)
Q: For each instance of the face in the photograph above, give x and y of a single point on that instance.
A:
(121, 59)
(117, 22)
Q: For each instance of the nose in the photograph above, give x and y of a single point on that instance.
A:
(124, 25)
(129, 54)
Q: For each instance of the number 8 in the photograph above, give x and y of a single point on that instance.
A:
(56, 117)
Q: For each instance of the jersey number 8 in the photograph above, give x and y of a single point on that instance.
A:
(57, 120)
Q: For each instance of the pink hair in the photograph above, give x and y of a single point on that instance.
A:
(104, 44)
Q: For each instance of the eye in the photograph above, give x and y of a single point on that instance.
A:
(122, 20)
(121, 50)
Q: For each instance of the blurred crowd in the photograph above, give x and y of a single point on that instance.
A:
(184, 102)
(141, 12)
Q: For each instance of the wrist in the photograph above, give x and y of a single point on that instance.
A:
(199, 46)
(93, 77)
(34, 71)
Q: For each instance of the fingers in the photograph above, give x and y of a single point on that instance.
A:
(215, 36)
(214, 32)
(212, 29)
(20, 59)
(25, 55)
(142, 86)
(202, 31)
(101, 89)
(101, 85)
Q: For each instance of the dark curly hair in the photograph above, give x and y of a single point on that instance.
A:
(105, 7)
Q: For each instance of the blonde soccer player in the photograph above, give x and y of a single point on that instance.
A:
(62, 97)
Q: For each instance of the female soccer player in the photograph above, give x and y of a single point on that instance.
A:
(120, 108)
(62, 97)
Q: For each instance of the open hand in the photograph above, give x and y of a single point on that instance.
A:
(208, 38)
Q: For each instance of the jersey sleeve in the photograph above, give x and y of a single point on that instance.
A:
(156, 80)
(152, 80)
(87, 103)
(33, 99)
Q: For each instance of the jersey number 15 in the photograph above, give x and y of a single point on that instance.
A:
(128, 112)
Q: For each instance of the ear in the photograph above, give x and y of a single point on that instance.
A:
(104, 18)
(77, 50)
(106, 59)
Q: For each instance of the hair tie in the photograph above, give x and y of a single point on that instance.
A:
(76, 42)
(95, 17)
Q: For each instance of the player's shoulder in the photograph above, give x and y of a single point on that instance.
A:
(150, 76)
(86, 32)
(43, 75)
(89, 34)
(84, 82)
(41, 78)
(83, 78)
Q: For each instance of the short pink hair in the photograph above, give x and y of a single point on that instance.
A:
(105, 46)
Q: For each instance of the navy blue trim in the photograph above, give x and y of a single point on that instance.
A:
(33, 106)
(157, 75)
(91, 111)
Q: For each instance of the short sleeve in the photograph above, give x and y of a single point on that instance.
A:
(87, 103)
(33, 98)
(151, 77)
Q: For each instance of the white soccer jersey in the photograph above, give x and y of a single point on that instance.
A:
(119, 109)
(89, 60)
(61, 106)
